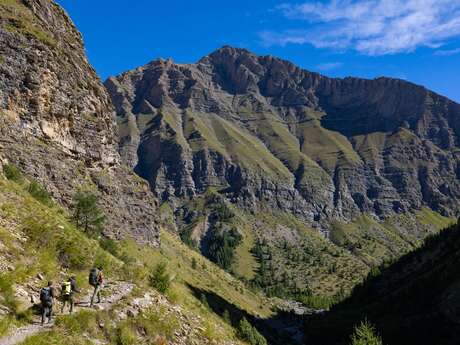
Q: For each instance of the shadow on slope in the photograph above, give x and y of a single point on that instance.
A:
(414, 301)
(282, 328)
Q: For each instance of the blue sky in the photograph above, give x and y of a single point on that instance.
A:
(417, 40)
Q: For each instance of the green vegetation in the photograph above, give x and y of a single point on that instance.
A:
(56, 246)
(12, 173)
(212, 131)
(111, 246)
(249, 333)
(86, 213)
(409, 300)
(160, 279)
(39, 193)
(52, 244)
(222, 249)
(365, 334)
(19, 18)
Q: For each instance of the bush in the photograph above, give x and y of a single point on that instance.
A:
(250, 334)
(39, 193)
(365, 334)
(226, 317)
(71, 254)
(160, 279)
(125, 335)
(12, 173)
(7, 293)
(111, 246)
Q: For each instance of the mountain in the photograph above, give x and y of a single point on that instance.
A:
(58, 134)
(370, 164)
(269, 132)
(416, 300)
(56, 120)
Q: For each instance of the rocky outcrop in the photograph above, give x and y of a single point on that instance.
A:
(57, 123)
(271, 135)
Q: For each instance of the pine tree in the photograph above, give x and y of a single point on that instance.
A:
(86, 213)
(160, 279)
(365, 335)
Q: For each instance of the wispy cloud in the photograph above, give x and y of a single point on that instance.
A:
(448, 52)
(372, 27)
(328, 66)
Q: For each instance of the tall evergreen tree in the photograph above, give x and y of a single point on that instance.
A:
(86, 213)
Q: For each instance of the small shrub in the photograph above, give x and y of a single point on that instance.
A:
(72, 255)
(226, 317)
(194, 264)
(7, 292)
(365, 334)
(125, 335)
(204, 301)
(110, 245)
(77, 323)
(160, 278)
(158, 322)
(39, 193)
(12, 173)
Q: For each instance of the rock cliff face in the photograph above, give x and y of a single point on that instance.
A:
(57, 123)
(270, 135)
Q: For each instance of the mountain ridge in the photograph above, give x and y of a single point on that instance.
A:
(231, 75)
(256, 146)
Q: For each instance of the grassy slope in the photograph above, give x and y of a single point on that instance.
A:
(222, 136)
(263, 142)
(308, 259)
(299, 258)
(38, 238)
(18, 18)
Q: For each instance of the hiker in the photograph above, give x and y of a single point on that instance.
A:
(69, 288)
(96, 279)
(47, 296)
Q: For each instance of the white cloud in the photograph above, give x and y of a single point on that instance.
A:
(328, 66)
(373, 27)
(448, 52)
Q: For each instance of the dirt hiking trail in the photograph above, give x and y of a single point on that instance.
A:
(113, 292)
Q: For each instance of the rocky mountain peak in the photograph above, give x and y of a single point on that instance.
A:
(328, 147)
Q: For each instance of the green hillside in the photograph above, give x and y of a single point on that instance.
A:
(37, 239)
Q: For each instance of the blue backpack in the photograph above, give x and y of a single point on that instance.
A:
(45, 295)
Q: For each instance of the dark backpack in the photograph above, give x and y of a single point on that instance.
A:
(93, 278)
(45, 295)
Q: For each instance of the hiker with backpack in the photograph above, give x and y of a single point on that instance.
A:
(47, 295)
(96, 279)
(69, 288)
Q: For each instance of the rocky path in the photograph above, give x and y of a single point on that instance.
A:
(114, 291)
